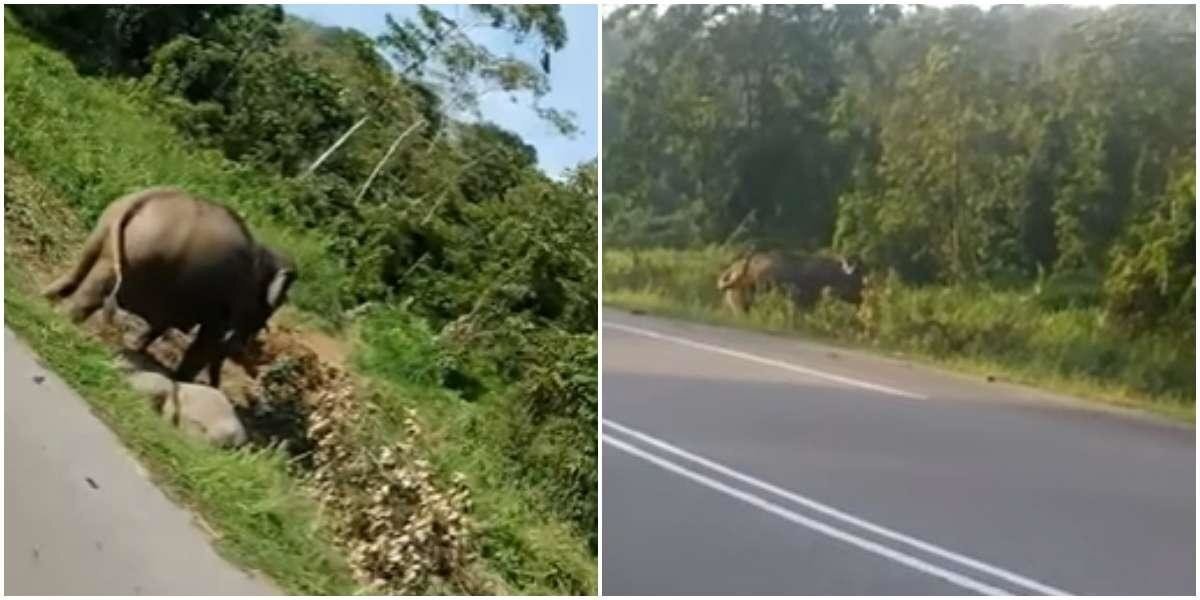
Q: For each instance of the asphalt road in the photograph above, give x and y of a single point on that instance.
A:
(740, 463)
(79, 516)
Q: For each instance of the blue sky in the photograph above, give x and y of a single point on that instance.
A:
(572, 75)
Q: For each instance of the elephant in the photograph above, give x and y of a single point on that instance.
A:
(197, 410)
(803, 277)
(179, 261)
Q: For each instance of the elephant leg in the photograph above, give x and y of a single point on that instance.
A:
(64, 286)
(745, 300)
(214, 370)
(200, 354)
(91, 294)
(734, 301)
(61, 287)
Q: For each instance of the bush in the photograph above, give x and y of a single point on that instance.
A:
(1057, 332)
(1152, 279)
(401, 346)
(1072, 289)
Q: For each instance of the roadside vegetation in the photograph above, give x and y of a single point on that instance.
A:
(462, 280)
(1021, 334)
(1019, 182)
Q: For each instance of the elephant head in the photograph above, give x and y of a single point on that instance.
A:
(850, 283)
(276, 272)
(735, 274)
(738, 280)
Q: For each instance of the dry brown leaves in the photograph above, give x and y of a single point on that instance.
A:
(404, 530)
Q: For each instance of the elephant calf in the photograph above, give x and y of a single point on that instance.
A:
(803, 277)
(198, 410)
(178, 261)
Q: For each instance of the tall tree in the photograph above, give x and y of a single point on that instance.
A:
(438, 50)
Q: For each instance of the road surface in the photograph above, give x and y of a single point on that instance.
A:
(79, 517)
(740, 463)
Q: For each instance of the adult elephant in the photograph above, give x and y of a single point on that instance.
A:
(179, 261)
(802, 277)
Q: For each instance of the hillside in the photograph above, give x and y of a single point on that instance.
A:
(449, 307)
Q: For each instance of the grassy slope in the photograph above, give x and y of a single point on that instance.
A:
(978, 332)
(86, 141)
(263, 519)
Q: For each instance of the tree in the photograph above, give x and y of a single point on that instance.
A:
(438, 51)
(1152, 278)
(120, 39)
(952, 145)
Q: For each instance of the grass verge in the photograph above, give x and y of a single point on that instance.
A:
(1005, 333)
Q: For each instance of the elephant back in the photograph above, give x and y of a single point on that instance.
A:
(184, 259)
(816, 273)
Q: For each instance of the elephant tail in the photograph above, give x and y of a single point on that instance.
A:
(116, 235)
(65, 285)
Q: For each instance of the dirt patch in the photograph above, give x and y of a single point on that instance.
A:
(327, 348)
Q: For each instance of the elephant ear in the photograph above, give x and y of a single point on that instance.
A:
(277, 289)
(735, 272)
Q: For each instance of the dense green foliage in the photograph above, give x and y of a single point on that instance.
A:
(954, 146)
(1019, 182)
(117, 38)
(460, 253)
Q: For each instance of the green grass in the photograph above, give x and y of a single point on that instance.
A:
(79, 143)
(1026, 337)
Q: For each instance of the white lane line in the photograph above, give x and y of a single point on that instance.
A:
(771, 362)
(873, 547)
(840, 515)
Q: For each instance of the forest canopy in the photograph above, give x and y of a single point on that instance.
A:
(950, 146)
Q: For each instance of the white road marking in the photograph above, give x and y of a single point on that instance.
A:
(840, 515)
(771, 362)
(873, 547)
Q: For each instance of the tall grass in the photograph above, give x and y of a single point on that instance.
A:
(1048, 334)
